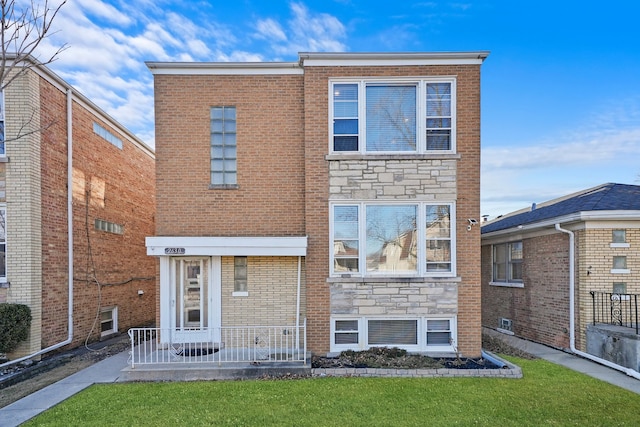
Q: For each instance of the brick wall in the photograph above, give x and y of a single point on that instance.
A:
(465, 191)
(269, 200)
(120, 188)
(539, 310)
(272, 292)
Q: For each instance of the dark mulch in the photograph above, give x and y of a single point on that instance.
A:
(395, 358)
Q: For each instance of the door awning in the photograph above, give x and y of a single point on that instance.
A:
(226, 246)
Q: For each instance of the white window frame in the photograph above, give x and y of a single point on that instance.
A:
(421, 268)
(508, 282)
(3, 240)
(421, 346)
(114, 319)
(421, 113)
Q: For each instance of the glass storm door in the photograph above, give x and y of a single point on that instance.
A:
(191, 317)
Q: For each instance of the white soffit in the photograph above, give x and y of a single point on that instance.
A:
(320, 59)
(226, 246)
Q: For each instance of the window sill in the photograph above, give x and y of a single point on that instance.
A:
(378, 279)
(223, 186)
(5, 285)
(619, 245)
(620, 271)
(394, 156)
(507, 284)
(4, 158)
(240, 294)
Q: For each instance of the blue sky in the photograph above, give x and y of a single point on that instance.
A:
(560, 89)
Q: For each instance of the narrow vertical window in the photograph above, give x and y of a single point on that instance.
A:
(223, 146)
(345, 117)
(240, 274)
(438, 238)
(345, 239)
(439, 116)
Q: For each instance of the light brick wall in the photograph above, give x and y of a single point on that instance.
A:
(272, 289)
(23, 198)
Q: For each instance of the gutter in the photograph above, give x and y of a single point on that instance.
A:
(69, 237)
(572, 321)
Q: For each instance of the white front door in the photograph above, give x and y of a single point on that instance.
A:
(194, 298)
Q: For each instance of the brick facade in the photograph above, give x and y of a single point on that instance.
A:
(287, 179)
(540, 309)
(110, 184)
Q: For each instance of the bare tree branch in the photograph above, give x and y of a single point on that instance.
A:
(23, 30)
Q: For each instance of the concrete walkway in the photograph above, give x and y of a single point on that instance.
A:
(109, 371)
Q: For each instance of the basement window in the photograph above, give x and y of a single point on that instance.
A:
(109, 227)
(108, 321)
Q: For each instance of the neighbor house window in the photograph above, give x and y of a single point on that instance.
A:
(106, 135)
(619, 288)
(619, 265)
(240, 274)
(507, 262)
(223, 146)
(371, 116)
(413, 334)
(109, 321)
(3, 244)
(414, 239)
(109, 227)
(619, 236)
(2, 135)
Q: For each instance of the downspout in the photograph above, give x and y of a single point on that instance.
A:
(572, 321)
(298, 303)
(70, 237)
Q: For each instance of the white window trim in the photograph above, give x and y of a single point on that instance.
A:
(421, 346)
(362, 228)
(619, 245)
(507, 283)
(421, 129)
(4, 127)
(620, 271)
(114, 319)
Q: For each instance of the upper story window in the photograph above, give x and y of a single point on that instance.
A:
(379, 116)
(618, 236)
(106, 135)
(507, 262)
(223, 147)
(369, 239)
(2, 136)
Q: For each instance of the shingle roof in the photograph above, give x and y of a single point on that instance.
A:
(602, 198)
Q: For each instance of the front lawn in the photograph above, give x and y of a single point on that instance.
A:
(547, 395)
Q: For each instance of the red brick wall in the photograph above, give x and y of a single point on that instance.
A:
(540, 310)
(270, 197)
(468, 203)
(110, 258)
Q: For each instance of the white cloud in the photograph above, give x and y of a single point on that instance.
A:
(269, 29)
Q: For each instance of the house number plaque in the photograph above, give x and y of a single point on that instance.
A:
(174, 251)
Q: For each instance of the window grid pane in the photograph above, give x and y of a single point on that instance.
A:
(439, 121)
(223, 146)
(391, 118)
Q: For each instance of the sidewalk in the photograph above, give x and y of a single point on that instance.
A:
(109, 370)
(105, 371)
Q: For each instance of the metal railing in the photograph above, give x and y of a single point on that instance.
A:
(254, 344)
(615, 309)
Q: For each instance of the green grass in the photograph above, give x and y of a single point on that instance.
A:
(547, 395)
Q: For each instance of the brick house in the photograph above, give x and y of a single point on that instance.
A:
(337, 192)
(527, 274)
(76, 202)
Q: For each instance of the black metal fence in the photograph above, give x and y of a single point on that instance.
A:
(615, 309)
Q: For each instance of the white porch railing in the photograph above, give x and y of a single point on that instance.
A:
(256, 344)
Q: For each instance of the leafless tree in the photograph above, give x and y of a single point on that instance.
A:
(24, 27)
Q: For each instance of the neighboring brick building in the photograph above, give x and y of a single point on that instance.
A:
(104, 192)
(342, 189)
(526, 275)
